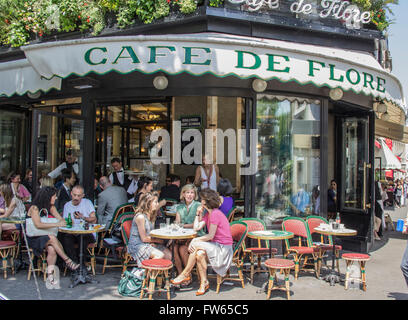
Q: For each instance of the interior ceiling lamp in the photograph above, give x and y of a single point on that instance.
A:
(35, 95)
(336, 94)
(160, 82)
(148, 115)
(382, 107)
(385, 116)
(84, 83)
(259, 85)
(154, 127)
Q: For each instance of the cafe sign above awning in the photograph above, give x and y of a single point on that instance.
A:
(218, 54)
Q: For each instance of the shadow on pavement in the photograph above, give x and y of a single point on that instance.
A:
(398, 296)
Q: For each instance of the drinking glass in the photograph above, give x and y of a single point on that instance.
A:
(162, 225)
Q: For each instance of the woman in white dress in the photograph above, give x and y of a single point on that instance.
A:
(207, 175)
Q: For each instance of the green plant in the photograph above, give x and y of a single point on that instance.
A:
(187, 6)
(216, 3)
(22, 20)
(378, 10)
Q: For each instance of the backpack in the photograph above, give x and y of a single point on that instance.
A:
(130, 284)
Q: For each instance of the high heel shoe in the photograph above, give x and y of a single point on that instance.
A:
(71, 265)
(186, 280)
(200, 293)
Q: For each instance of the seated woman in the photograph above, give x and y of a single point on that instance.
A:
(225, 189)
(45, 201)
(141, 246)
(18, 189)
(10, 203)
(215, 247)
(186, 213)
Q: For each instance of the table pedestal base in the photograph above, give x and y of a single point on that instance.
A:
(81, 277)
(333, 278)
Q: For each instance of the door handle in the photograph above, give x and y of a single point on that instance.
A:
(365, 204)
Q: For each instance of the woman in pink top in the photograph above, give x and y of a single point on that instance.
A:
(19, 190)
(215, 247)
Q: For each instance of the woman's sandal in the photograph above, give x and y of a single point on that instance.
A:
(71, 264)
(186, 280)
(200, 293)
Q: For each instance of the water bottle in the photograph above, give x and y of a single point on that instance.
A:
(69, 221)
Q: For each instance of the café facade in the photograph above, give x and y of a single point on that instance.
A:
(307, 78)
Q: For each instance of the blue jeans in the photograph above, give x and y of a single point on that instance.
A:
(404, 265)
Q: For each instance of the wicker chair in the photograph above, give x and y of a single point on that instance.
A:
(300, 229)
(119, 248)
(7, 251)
(255, 253)
(361, 258)
(127, 207)
(239, 231)
(326, 242)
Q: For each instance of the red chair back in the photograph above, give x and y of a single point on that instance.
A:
(126, 227)
(313, 223)
(296, 226)
(253, 225)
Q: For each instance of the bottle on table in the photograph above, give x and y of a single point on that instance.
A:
(69, 221)
(338, 218)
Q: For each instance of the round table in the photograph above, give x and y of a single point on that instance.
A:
(82, 276)
(269, 235)
(333, 277)
(168, 234)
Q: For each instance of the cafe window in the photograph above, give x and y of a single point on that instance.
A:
(124, 131)
(12, 142)
(288, 152)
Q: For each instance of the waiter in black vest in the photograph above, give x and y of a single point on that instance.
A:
(119, 178)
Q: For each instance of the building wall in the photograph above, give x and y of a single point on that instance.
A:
(331, 151)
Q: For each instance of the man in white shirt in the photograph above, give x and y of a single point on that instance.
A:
(70, 163)
(79, 209)
(119, 178)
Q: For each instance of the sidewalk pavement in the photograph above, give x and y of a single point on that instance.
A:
(384, 281)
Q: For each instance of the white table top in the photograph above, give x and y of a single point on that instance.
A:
(77, 229)
(172, 234)
(336, 232)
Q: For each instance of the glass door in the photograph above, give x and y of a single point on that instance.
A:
(53, 135)
(355, 190)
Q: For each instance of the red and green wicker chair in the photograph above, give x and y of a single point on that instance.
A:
(7, 249)
(126, 227)
(119, 249)
(326, 242)
(255, 253)
(304, 248)
(127, 207)
(231, 214)
(41, 264)
(285, 265)
(155, 269)
(239, 231)
(361, 258)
